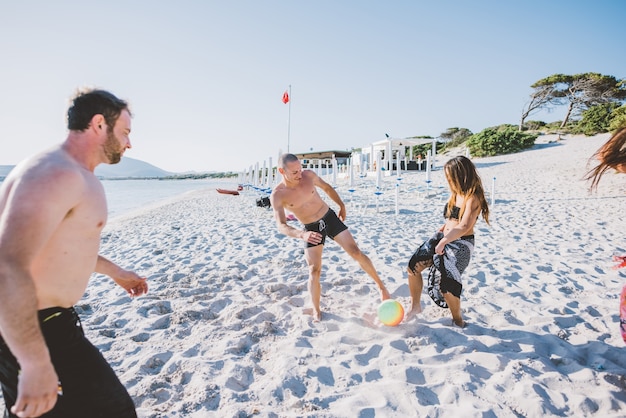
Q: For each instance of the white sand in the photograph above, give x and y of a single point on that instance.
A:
(222, 332)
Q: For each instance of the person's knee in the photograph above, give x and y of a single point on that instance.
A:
(315, 270)
(415, 270)
(420, 266)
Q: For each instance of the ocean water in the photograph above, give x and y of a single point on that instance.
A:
(124, 196)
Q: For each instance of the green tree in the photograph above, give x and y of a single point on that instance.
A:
(453, 137)
(544, 96)
(578, 92)
(503, 139)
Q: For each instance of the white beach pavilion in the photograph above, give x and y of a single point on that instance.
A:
(392, 151)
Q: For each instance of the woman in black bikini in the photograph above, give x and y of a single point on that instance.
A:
(453, 243)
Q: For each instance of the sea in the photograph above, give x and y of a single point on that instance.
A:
(125, 196)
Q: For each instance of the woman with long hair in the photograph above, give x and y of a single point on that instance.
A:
(449, 251)
(610, 155)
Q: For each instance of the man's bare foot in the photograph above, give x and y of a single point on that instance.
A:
(413, 313)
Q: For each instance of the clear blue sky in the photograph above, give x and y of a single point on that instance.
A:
(205, 78)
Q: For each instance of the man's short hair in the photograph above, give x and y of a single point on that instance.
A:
(87, 104)
(286, 159)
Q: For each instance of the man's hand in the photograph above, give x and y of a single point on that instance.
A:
(37, 390)
(312, 237)
(342, 213)
(132, 283)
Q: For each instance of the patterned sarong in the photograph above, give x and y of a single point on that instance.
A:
(445, 274)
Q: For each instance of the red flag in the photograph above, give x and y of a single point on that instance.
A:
(285, 97)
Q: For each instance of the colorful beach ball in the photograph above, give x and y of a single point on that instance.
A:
(390, 312)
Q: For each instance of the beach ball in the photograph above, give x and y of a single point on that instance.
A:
(390, 312)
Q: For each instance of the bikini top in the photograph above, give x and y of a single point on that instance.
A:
(455, 212)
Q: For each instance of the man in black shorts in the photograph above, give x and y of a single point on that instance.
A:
(297, 192)
(330, 225)
(52, 210)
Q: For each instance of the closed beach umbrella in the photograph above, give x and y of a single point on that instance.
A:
(378, 170)
(350, 172)
(428, 158)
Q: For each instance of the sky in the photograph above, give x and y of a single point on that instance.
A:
(205, 78)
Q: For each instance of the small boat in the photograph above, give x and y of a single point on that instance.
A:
(225, 191)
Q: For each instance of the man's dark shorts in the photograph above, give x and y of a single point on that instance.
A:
(329, 225)
(90, 387)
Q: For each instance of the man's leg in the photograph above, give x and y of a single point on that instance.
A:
(313, 256)
(90, 386)
(346, 241)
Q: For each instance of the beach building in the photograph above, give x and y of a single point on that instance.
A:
(323, 159)
(378, 157)
(390, 152)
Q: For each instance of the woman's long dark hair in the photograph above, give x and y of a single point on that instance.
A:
(611, 155)
(464, 180)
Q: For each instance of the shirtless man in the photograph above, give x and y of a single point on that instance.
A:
(52, 210)
(297, 193)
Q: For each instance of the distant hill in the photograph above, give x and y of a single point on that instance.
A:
(127, 167)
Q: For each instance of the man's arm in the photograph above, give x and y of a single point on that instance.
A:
(281, 222)
(130, 281)
(332, 193)
(33, 207)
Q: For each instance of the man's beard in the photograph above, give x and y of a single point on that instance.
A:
(112, 148)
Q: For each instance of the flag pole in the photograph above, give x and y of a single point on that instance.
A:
(289, 121)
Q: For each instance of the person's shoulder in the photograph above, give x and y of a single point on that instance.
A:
(310, 175)
(277, 193)
(52, 168)
(278, 188)
(472, 202)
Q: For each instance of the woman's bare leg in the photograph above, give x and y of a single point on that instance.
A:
(454, 303)
(416, 284)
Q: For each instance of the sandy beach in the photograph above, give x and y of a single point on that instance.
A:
(223, 331)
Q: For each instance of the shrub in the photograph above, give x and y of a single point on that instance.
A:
(424, 148)
(503, 139)
(596, 119)
(618, 118)
(533, 125)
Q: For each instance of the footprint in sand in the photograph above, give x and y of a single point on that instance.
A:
(372, 353)
(155, 363)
